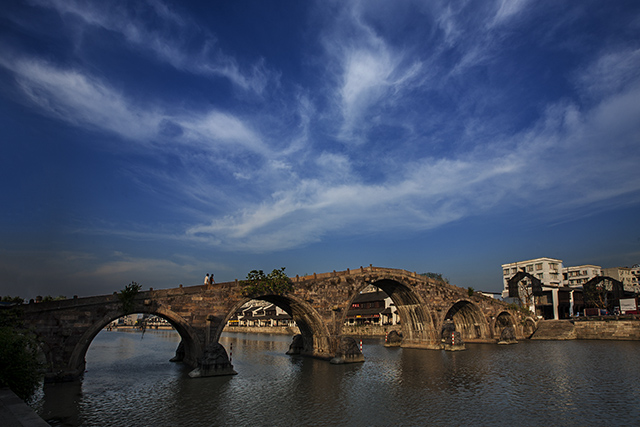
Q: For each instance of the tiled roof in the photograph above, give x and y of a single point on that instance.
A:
(371, 296)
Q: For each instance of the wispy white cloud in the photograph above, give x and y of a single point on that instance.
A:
(83, 100)
(215, 127)
(293, 187)
(368, 71)
(77, 98)
(611, 72)
(169, 40)
(121, 266)
(508, 9)
(557, 166)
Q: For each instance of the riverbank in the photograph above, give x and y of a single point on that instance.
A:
(625, 329)
(277, 330)
(372, 331)
(137, 328)
(589, 329)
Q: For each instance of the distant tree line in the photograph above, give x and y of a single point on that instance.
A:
(18, 300)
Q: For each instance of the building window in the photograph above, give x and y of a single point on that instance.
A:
(529, 268)
(539, 266)
(506, 272)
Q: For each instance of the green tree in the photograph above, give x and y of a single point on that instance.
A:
(20, 368)
(470, 291)
(128, 295)
(14, 300)
(258, 283)
(10, 315)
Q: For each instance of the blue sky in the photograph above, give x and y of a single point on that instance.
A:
(156, 141)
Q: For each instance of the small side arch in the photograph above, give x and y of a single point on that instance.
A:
(192, 346)
(503, 320)
(469, 321)
(529, 326)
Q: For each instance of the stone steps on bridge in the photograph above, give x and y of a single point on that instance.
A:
(555, 330)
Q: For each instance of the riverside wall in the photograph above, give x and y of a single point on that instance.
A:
(278, 330)
(352, 331)
(370, 330)
(580, 329)
(626, 330)
(589, 329)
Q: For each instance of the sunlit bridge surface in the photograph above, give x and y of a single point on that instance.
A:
(130, 381)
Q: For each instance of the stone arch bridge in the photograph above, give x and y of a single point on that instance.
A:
(318, 304)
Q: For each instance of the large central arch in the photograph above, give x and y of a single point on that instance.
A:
(417, 325)
(315, 335)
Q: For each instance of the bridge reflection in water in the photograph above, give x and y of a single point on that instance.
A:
(130, 382)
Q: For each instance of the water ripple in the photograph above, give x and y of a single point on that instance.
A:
(129, 382)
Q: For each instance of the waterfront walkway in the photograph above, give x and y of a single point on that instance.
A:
(15, 413)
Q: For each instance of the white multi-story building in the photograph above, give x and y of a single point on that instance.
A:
(549, 272)
(624, 275)
(578, 275)
(635, 272)
(559, 285)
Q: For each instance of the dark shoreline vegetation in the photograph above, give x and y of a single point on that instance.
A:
(20, 367)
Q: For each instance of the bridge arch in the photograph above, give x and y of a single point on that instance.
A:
(502, 321)
(192, 345)
(418, 329)
(469, 321)
(529, 326)
(313, 329)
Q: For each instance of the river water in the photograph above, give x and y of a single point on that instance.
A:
(129, 382)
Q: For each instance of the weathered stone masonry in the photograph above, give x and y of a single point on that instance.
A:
(318, 304)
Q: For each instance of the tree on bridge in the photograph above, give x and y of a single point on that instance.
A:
(127, 295)
(258, 283)
(436, 276)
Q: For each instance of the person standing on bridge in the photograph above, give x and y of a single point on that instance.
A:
(206, 279)
(211, 279)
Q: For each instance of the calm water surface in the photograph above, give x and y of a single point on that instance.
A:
(129, 382)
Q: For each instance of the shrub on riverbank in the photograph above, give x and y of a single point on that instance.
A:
(20, 369)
